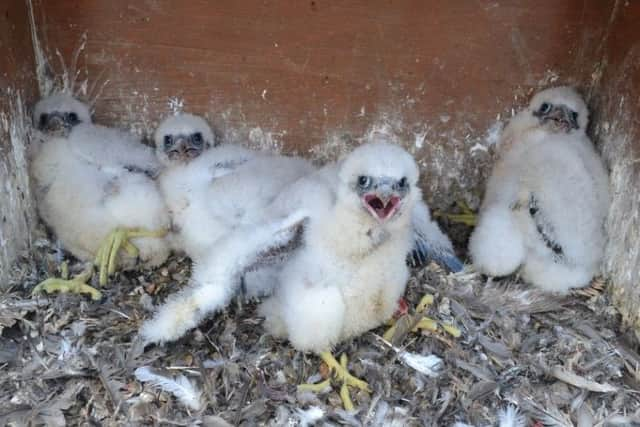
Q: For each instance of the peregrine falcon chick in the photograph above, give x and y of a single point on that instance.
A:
(547, 197)
(211, 189)
(226, 190)
(350, 272)
(93, 187)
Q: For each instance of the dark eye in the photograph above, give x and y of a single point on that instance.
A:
(72, 118)
(43, 120)
(168, 141)
(574, 116)
(544, 108)
(402, 184)
(364, 181)
(196, 138)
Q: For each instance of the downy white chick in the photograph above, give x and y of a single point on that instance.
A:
(211, 189)
(217, 196)
(226, 191)
(547, 197)
(92, 182)
(350, 271)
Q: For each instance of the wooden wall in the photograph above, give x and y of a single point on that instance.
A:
(17, 88)
(314, 76)
(616, 106)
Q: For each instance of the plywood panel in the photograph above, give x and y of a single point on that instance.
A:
(17, 87)
(314, 76)
(617, 129)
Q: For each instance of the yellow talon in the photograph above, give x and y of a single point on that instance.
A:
(452, 330)
(427, 324)
(341, 373)
(344, 389)
(425, 302)
(107, 255)
(389, 333)
(466, 216)
(64, 285)
(346, 397)
(317, 387)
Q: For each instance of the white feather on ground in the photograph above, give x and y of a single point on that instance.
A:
(310, 416)
(430, 365)
(511, 417)
(181, 387)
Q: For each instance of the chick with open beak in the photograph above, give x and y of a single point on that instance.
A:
(382, 196)
(559, 117)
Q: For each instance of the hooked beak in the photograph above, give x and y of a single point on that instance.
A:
(382, 203)
(562, 118)
(55, 124)
(183, 149)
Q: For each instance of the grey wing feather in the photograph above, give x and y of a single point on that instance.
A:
(424, 251)
(430, 243)
(281, 249)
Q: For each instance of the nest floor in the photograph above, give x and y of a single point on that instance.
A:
(65, 360)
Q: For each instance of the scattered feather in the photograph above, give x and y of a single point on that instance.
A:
(430, 365)
(576, 380)
(308, 417)
(181, 387)
(511, 417)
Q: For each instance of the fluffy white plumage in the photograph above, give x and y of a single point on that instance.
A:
(351, 270)
(216, 196)
(94, 180)
(215, 278)
(58, 105)
(242, 182)
(209, 189)
(547, 198)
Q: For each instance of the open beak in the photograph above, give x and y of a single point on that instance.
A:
(382, 203)
(561, 117)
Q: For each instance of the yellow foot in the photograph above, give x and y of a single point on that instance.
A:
(341, 373)
(466, 215)
(64, 285)
(107, 255)
(418, 321)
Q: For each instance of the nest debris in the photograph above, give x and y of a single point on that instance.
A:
(66, 360)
